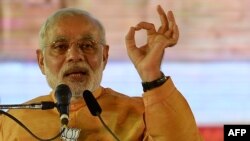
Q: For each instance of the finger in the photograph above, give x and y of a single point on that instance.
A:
(164, 20)
(171, 42)
(170, 16)
(171, 19)
(170, 32)
(173, 36)
(147, 26)
(175, 32)
(130, 38)
(173, 28)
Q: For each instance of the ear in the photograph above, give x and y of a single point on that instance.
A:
(105, 55)
(40, 60)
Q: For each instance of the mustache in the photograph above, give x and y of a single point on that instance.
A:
(76, 68)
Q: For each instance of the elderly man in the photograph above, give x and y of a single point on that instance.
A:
(73, 51)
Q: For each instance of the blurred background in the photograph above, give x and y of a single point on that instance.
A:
(210, 64)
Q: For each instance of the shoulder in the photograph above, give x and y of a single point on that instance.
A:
(40, 99)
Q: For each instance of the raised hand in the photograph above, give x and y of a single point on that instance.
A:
(147, 58)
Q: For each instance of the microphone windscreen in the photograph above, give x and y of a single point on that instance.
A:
(92, 103)
(63, 94)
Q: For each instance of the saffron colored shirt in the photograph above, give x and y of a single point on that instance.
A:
(161, 114)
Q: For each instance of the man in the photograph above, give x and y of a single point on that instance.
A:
(74, 52)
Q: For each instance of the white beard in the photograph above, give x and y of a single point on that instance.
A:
(92, 82)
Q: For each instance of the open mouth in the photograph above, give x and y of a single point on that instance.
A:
(76, 72)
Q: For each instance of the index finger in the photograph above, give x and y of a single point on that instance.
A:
(130, 38)
(149, 27)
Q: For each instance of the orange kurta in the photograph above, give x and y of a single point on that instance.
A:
(161, 114)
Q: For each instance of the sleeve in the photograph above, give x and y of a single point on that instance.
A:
(168, 116)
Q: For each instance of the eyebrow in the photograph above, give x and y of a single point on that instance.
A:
(87, 37)
(59, 38)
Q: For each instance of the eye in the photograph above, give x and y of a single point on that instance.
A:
(86, 46)
(60, 47)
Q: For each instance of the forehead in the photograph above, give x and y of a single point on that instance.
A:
(73, 26)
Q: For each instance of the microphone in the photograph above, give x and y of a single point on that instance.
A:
(95, 109)
(44, 105)
(63, 96)
(91, 103)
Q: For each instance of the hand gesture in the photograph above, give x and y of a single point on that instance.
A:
(147, 58)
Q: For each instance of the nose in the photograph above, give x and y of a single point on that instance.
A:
(74, 54)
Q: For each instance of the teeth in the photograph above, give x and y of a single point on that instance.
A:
(76, 74)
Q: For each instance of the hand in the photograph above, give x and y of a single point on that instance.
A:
(147, 58)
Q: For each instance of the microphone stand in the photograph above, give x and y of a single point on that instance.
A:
(44, 105)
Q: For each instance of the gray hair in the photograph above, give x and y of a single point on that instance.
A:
(67, 12)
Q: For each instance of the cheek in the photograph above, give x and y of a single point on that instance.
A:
(94, 61)
(53, 64)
